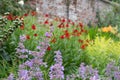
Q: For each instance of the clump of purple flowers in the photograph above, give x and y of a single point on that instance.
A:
(30, 69)
(112, 71)
(87, 72)
(84, 73)
(57, 70)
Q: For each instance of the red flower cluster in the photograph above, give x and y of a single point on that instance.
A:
(48, 48)
(35, 34)
(22, 27)
(46, 22)
(65, 35)
(53, 40)
(27, 37)
(33, 27)
(33, 13)
(61, 25)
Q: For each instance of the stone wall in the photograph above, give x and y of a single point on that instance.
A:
(85, 10)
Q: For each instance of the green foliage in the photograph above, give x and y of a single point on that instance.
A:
(118, 1)
(13, 7)
(69, 47)
(102, 51)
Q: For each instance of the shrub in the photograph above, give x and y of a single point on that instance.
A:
(13, 7)
(101, 51)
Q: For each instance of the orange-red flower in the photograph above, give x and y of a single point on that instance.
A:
(48, 48)
(22, 27)
(63, 20)
(81, 41)
(62, 36)
(10, 17)
(69, 20)
(73, 23)
(27, 37)
(26, 14)
(35, 34)
(33, 27)
(33, 13)
(61, 25)
(67, 25)
(81, 25)
(46, 15)
(53, 40)
(83, 46)
(46, 22)
(76, 32)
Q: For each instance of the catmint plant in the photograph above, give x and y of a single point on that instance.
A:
(57, 70)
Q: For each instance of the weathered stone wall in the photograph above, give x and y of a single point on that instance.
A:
(85, 9)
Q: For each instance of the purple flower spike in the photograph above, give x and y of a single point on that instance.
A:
(57, 70)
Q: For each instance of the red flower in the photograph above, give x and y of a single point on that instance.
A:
(81, 41)
(46, 22)
(22, 27)
(67, 35)
(26, 14)
(53, 40)
(75, 31)
(67, 25)
(33, 27)
(83, 46)
(69, 20)
(35, 35)
(10, 17)
(78, 34)
(61, 25)
(63, 20)
(46, 15)
(27, 37)
(73, 23)
(48, 48)
(81, 25)
(33, 13)
(66, 31)
(62, 37)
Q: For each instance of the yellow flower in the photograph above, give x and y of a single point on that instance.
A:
(109, 28)
(105, 29)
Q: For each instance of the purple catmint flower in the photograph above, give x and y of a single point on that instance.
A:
(87, 72)
(29, 63)
(33, 63)
(38, 47)
(57, 70)
(48, 34)
(111, 70)
(22, 38)
(39, 75)
(21, 45)
(93, 78)
(82, 70)
(21, 66)
(23, 75)
(58, 57)
(23, 56)
(11, 77)
(117, 75)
